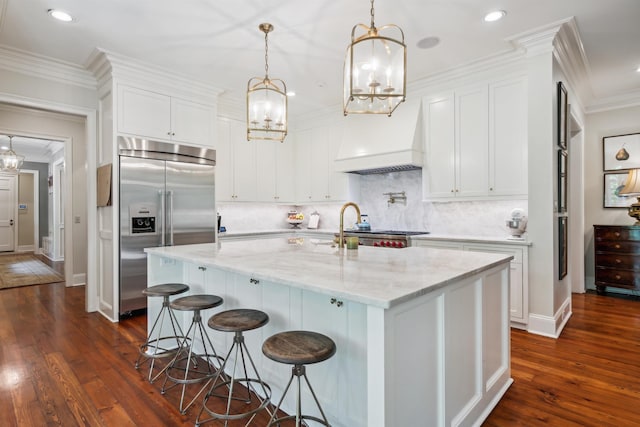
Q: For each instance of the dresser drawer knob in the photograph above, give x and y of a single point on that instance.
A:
(618, 261)
(617, 234)
(617, 246)
(618, 277)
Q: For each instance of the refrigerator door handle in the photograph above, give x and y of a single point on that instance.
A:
(162, 215)
(170, 216)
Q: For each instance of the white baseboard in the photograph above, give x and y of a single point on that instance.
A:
(79, 279)
(26, 248)
(550, 326)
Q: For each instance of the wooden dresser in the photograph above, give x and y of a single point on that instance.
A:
(617, 256)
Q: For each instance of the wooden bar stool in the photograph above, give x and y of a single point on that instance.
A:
(186, 366)
(299, 348)
(157, 346)
(223, 386)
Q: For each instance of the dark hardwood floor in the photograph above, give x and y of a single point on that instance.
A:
(60, 366)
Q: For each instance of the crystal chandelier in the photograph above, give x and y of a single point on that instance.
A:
(375, 80)
(9, 160)
(266, 101)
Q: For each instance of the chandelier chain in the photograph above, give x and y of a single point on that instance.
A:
(372, 13)
(266, 55)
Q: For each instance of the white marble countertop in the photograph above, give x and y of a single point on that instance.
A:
(471, 239)
(380, 277)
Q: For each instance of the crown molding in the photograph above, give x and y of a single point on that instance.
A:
(3, 12)
(615, 102)
(538, 40)
(105, 64)
(231, 106)
(44, 67)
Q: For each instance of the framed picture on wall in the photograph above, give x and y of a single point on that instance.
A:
(563, 252)
(562, 116)
(621, 152)
(613, 183)
(562, 181)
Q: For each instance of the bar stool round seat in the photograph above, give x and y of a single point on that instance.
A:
(186, 367)
(224, 385)
(156, 346)
(299, 348)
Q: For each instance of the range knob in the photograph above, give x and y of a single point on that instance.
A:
(395, 244)
(401, 244)
(375, 244)
(387, 244)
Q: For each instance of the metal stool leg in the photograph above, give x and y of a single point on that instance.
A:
(156, 342)
(240, 347)
(191, 359)
(298, 371)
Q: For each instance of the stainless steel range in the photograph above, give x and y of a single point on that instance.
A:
(383, 238)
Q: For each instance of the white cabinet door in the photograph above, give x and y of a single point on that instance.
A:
(508, 138)
(191, 122)
(302, 154)
(439, 175)
(284, 171)
(144, 113)
(338, 181)
(319, 167)
(472, 156)
(266, 165)
(437, 244)
(244, 164)
(224, 162)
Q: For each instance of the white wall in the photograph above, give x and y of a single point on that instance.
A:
(598, 125)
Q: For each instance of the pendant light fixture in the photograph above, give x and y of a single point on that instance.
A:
(9, 160)
(375, 79)
(266, 101)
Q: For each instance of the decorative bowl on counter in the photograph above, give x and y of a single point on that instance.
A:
(295, 219)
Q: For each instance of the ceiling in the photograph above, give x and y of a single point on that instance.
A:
(218, 41)
(33, 149)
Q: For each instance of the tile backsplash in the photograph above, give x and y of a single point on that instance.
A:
(473, 218)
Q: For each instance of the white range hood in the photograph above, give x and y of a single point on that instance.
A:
(376, 143)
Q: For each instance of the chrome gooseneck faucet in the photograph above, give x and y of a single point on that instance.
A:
(341, 242)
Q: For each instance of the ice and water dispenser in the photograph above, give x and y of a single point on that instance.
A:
(143, 219)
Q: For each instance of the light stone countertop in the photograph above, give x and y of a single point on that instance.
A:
(471, 239)
(381, 277)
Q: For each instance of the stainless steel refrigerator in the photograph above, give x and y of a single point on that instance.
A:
(167, 197)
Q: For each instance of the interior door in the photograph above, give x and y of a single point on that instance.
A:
(8, 204)
(191, 212)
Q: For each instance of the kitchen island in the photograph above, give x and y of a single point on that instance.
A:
(422, 333)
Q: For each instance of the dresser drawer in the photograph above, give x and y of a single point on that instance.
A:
(622, 246)
(623, 261)
(617, 233)
(617, 278)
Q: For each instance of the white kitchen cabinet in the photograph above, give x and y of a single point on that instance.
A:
(508, 157)
(154, 115)
(316, 177)
(519, 272)
(344, 322)
(456, 147)
(274, 163)
(476, 142)
(236, 163)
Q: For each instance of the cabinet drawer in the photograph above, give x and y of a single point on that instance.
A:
(623, 261)
(622, 246)
(617, 233)
(616, 277)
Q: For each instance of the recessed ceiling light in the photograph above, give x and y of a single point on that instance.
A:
(60, 15)
(428, 42)
(495, 15)
(638, 69)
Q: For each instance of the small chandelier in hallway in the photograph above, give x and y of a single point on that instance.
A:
(10, 161)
